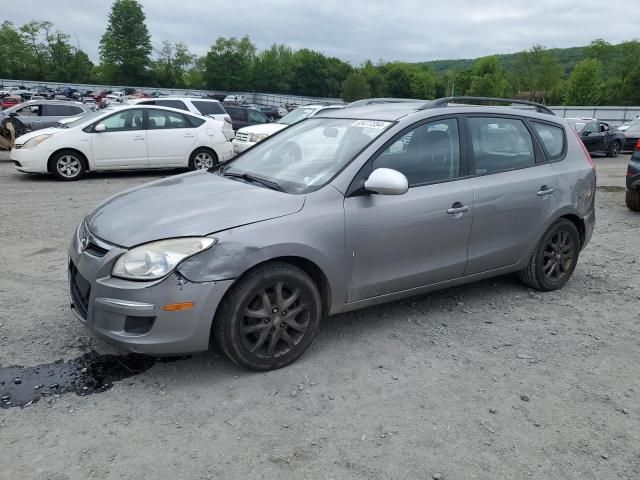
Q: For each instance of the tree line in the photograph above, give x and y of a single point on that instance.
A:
(598, 74)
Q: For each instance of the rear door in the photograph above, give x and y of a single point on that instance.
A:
(514, 191)
(170, 138)
(52, 113)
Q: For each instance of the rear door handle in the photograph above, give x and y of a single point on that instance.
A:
(544, 190)
(189, 135)
(138, 138)
(457, 208)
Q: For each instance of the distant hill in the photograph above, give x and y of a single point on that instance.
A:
(567, 57)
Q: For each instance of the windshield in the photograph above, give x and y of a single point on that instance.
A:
(577, 125)
(296, 115)
(82, 119)
(305, 156)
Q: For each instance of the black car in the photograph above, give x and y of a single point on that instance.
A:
(598, 137)
(270, 111)
(243, 117)
(631, 135)
(633, 182)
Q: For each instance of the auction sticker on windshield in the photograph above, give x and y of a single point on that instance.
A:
(377, 124)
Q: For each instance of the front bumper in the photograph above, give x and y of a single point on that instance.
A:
(130, 314)
(30, 160)
(240, 146)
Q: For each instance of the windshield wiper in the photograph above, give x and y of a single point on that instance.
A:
(250, 178)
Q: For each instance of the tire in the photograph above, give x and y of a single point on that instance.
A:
(554, 259)
(614, 149)
(68, 165)
(632, 199)
(252, 320)
(203, 159)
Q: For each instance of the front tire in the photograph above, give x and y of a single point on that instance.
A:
(632, 199)
(614, 149)
(68, 165)
(203, 159)
(269, 318)
(554, 259)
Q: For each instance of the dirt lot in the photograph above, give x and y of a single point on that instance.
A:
(487, 381)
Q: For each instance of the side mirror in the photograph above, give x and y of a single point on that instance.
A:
(586, 133)
(100, 128)
(385, 181)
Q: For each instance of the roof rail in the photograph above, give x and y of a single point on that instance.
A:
(443, 102)
(375, 101)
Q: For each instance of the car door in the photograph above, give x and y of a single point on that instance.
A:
(255, 117)
(170, 138)
(419, 238)
(514, 191)
(592, 137)
(31, 116)
(123, 144)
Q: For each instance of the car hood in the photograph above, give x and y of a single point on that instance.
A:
(192, 204)
(268, 128)
(36, 133)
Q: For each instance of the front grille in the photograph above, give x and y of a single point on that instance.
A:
(95, 250)
(80, 290)
(243, 137)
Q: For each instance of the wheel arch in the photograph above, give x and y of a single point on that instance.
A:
(83, 157)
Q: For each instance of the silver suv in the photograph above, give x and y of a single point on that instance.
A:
(385, 202)
(38, 114)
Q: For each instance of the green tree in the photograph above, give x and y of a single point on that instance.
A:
(398, 80)
(375, 79)
(538, 72)
(172, 64)
(32, 33)
(355, 87)
(125, 47)
(488, 79)
(229, 63)
(273, 69)
(16, 58)
(585, 83)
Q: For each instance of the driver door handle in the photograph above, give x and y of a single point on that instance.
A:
(457, 208)
(544, 190)
(140, 137)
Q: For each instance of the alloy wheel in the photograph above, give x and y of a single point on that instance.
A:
(68, 166)
(203, 161)
(558, 256)
(275, 320)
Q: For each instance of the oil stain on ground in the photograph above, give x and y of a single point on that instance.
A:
(91, 373)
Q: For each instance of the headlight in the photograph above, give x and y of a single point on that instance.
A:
(256, 137)
(35, 141)
(157, 259)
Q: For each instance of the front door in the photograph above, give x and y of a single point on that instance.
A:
(170, 139)
(592, 137)
(124, 142)
(419, 238)
(514, 195)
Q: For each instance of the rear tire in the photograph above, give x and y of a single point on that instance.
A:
(269, 317)
(203, 159)
(632, 199)
(554, 259)
(614, 149)
(68, 165)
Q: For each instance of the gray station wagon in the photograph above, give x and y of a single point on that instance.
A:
(380, 202)
(38, 114)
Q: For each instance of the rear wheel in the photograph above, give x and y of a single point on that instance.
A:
(68, 165)
(203, 159)
(614, 149)
(269, 318)
(632, 199)
(554, 259)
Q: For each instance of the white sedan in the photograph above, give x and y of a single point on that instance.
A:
(130, 137)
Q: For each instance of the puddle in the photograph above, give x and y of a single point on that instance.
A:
(91, 373)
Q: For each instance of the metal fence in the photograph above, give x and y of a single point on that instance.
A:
(250, 97)
(614, 115)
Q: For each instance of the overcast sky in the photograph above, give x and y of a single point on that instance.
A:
(355, 30)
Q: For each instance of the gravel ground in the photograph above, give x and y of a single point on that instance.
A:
(486, 381)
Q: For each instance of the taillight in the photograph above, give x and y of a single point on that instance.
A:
(227, 119)
(586, 152)
(638, 144)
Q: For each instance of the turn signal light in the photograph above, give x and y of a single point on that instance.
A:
(638, 144)
(178, 307)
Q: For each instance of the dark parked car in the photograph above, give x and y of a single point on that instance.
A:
(633, 180)
(270, 111)
(243, 117)
(631, 136)
(598, 136)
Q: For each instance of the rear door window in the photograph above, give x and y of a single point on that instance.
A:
(163, 119)
(552, 138)
(59, 110)
(238, 114)
(500, 144)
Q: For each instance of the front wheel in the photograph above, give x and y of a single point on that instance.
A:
(614, 149)
(554, 259)
(202, 159)
(68, 165)
(269, 318)
(632, 199)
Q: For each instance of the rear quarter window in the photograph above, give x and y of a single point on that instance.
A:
(209, 108)
(553, 139)
(194, 122)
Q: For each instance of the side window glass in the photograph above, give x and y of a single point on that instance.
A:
(591, 128)
(500, 144)
(161, 119)
(123, 121)
(256, 117)
(426, 154)
(29, 111)
(552, 137)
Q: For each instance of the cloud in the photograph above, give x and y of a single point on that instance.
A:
(355, 30)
